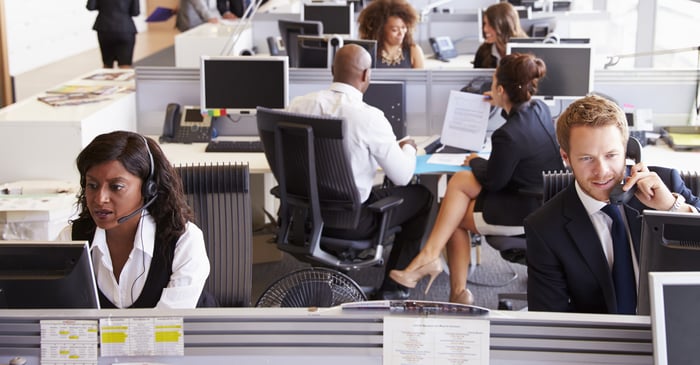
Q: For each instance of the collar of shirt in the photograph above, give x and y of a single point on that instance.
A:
(591, 205)
(349, 90)
(144, 240)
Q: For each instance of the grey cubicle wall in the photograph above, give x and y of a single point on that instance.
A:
(669, 93)
(333, 336)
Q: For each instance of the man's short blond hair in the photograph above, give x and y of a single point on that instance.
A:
(591, 111)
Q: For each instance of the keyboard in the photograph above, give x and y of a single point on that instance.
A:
(235, 146)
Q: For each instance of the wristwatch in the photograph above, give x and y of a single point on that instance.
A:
(680, 200)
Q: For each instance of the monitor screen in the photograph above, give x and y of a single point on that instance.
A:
(390, 98)
(670, 242)
(37, 274)
(319, 51)
(291, 29)
(239, 84)
(675, 323)
(336, 18)
(538, 26)
(569, 68)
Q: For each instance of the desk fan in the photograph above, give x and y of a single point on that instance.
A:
(312, 287)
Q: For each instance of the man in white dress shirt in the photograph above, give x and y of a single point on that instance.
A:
(370, 143)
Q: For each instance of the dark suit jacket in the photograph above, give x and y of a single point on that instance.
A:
(114, 15)
(520, 150)
(567, 269)
(237, 7)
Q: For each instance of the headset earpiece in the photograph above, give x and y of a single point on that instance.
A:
(149, 188)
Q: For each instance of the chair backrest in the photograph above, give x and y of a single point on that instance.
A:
(219, 195)
(316, 185)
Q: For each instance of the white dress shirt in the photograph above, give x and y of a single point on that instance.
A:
(369, 140)
(603, 227)
(190, 267)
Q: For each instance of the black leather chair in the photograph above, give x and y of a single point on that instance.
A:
(513, 248)
(317, 190)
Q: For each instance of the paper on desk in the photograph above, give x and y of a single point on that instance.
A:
(452, 159)
(465, 121)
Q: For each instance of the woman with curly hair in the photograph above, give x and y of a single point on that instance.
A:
(145, 249)
(500, 24)
(391, 24)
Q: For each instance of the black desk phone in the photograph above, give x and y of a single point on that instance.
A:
(187, 126)
(443, 48)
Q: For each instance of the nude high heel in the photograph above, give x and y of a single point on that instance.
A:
(409, 279)
(464, 297)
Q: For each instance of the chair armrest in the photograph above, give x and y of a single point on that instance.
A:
(384, 204)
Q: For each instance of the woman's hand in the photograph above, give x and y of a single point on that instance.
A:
(469, 157)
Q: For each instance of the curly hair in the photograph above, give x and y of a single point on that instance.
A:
(169, 210)
(519, 75)
(591, 111)
(375, 15)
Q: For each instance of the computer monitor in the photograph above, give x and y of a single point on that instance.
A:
(336, 18)
(239, 84)
(531, 40)
(290, 30)
(390, 98)
(538, 26)
(39, 274)
(670, 242)
(675, 324)
(319, 51)
(569, 68)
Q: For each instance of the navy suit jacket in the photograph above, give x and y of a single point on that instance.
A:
(567, 269)
(114, 15)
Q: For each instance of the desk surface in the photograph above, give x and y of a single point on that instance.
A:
(194, 153)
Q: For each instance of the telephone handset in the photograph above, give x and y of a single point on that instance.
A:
(187, 126)
(618, 196)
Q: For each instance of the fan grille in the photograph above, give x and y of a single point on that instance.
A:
(312, 287)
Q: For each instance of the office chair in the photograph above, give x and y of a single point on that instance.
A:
(513, 248)
(219, 196)
(317, 191)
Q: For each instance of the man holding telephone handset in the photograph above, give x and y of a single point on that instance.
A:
(582, 245)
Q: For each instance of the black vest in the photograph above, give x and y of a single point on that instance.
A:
(158, 274)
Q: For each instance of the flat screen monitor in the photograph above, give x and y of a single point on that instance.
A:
(290, 30)
(670, 242)
(390, 98)
(336, 18)
(538, 26)
(239, 84)
(319, 51)
(37, 274)
(569, 68)
(675, 323)
(543, 39)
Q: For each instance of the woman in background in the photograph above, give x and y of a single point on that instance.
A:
(500, 24)
(145, 249)
(487, 199)
(116, 31)
(391, 23)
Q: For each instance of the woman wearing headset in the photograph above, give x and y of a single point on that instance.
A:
(145, 249)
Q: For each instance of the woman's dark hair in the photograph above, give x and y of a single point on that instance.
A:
(169, 210)
(519, 75)
(375, 15)
(505, 22)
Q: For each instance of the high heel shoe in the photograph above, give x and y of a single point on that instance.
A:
(409, 279)
(464, 297)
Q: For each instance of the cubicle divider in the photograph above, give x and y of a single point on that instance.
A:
(669, 93)
(331, 335)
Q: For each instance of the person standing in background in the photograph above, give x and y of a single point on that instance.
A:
(116, 31)
(192, 13)
(500, 24)
(391, 23)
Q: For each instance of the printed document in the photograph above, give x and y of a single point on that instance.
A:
(465, 121)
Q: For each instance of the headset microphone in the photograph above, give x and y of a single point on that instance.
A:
(135, 212)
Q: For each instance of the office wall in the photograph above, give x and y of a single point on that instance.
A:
(40, 32)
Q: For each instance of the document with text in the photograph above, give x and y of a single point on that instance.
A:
(465, 121)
